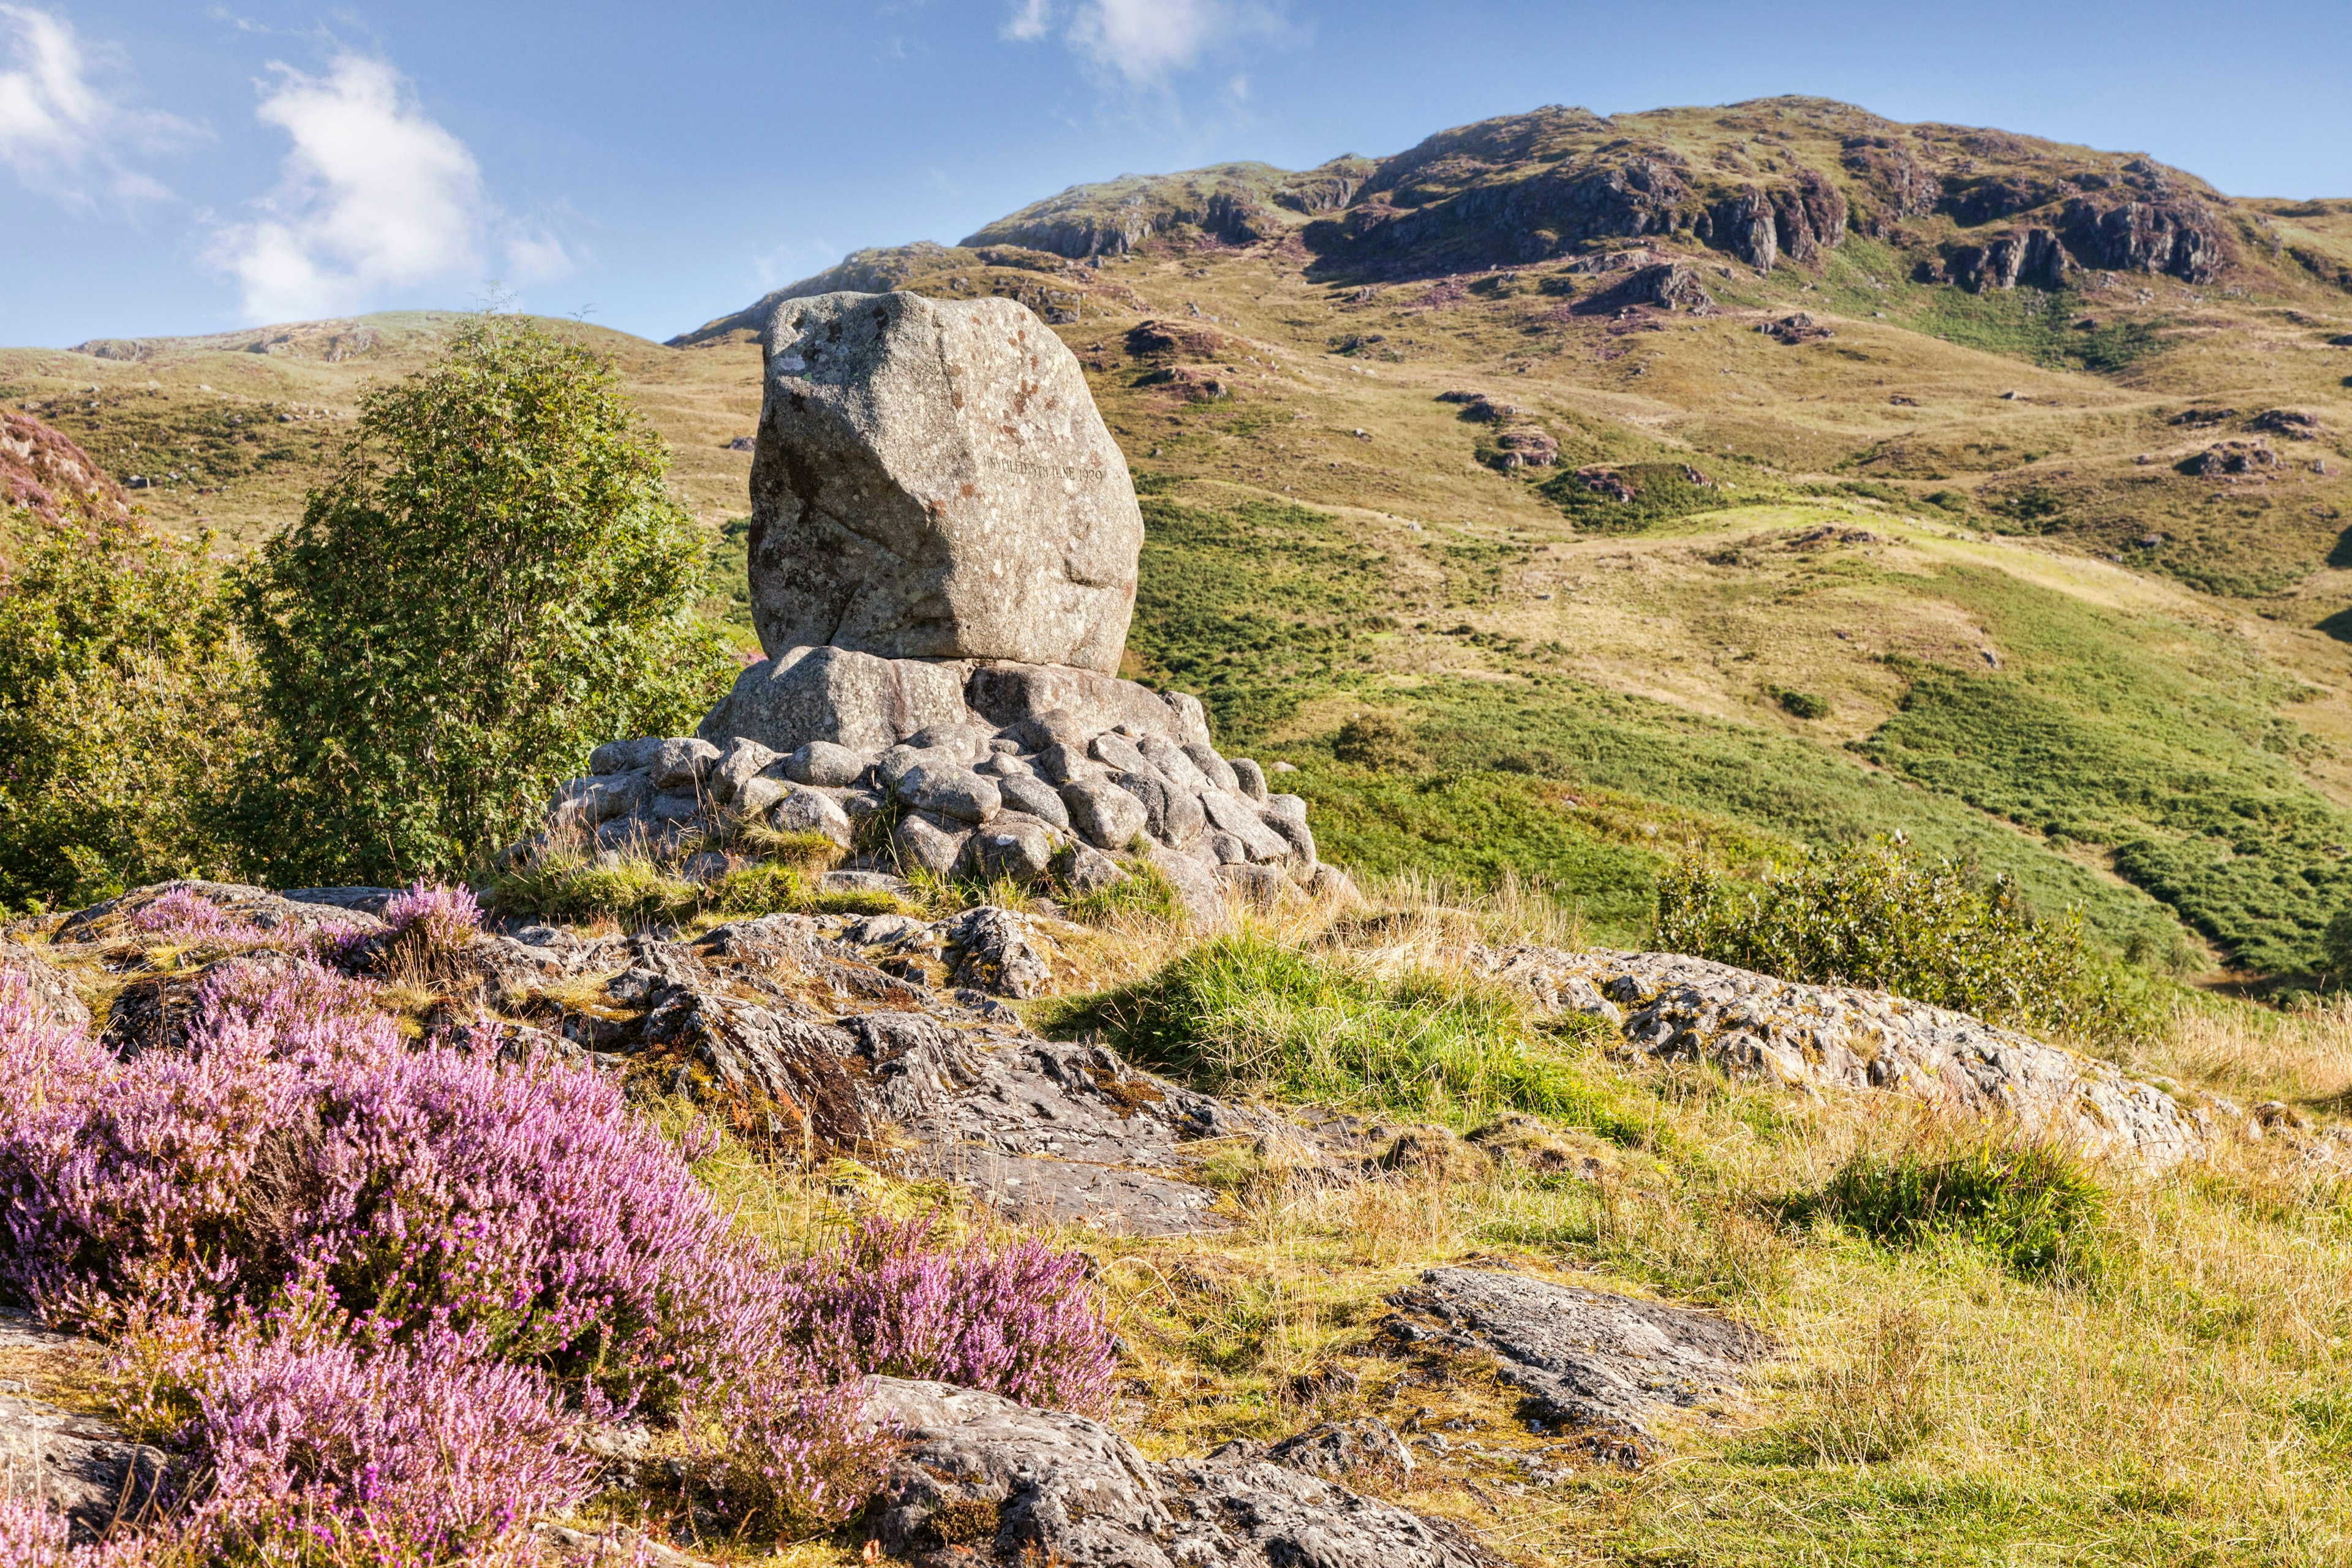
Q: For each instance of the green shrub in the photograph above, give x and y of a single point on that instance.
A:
(125, 705)
(1246, 1013)
(1378, 741)
(495, 579)
(2031, 1205)
(1872, 917)
(1801, 704)
(2335, 943)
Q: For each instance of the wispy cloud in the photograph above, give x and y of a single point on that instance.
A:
(66, 128)
(375, 196)
(1144, 43)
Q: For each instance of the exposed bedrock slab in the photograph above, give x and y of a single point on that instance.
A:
(932, 481)
(1672, 1006)
(984, 1479)
(1604, 1363)
(83, 1468)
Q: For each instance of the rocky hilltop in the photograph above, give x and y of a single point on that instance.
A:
(1770, 182)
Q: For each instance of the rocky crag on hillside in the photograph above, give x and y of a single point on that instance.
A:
(942, 559)
(1769, 183)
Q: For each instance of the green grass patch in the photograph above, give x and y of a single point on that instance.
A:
(560, 883)
(1780, 787)
(1246, 1013)
(1660, 493)
(1599, 856)
(2034, 1207)
(2181, 765)
(1254, 609)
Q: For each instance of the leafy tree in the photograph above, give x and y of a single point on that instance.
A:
(125, 708)
(494, 579)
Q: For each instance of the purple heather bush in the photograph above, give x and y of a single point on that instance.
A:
(427, 1451)
(299, 1137)
(377, 1284)
(1015, 1320)
(795, 1453)
(35, 1535)
(186, 916)
(431, 921)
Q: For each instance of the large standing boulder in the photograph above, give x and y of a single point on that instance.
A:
(932, 481)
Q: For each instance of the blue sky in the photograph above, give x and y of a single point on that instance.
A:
(170, 167)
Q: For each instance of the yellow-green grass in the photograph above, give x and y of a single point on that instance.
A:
(2180, 1394)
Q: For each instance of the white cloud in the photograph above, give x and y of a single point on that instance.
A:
(61, 132)
(1143, 42)
(375, 196)
(1029, 20)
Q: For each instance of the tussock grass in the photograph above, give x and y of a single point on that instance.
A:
(1246, 1012)
(565, 880)
(2031, 1205)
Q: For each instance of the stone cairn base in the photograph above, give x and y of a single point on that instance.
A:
(963, 769)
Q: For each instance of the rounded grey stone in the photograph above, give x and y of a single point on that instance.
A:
(932, 481)
(1104, 815)
(950, 790)
(1039, 799)
(927, 843)
(682, 762)
(1172, 815)
(826, 765)
(1014, 845)
(622, 756)
(807, 810)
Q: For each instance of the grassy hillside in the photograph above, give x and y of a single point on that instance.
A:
(1951, 559)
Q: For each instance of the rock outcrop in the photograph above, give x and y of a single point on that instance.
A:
(1673, 1008)
(963, 769)
(878, 1036)
(932, 481)
(984, 1479)
(2033, 255)
(942, 565)
(1603, 1365)
(46, 986)
(86, 1469)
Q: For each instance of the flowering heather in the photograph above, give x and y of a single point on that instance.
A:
(34, 1535)
(1016, 1319)
(365, 1280)
(433, 921)
(425, 1452)
(298, 1136)
(184, 915)
(795, 1456)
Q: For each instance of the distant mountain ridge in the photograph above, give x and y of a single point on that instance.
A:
(1768, 182)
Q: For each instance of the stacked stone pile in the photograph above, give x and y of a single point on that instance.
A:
(1055, 794)
(942, 563)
